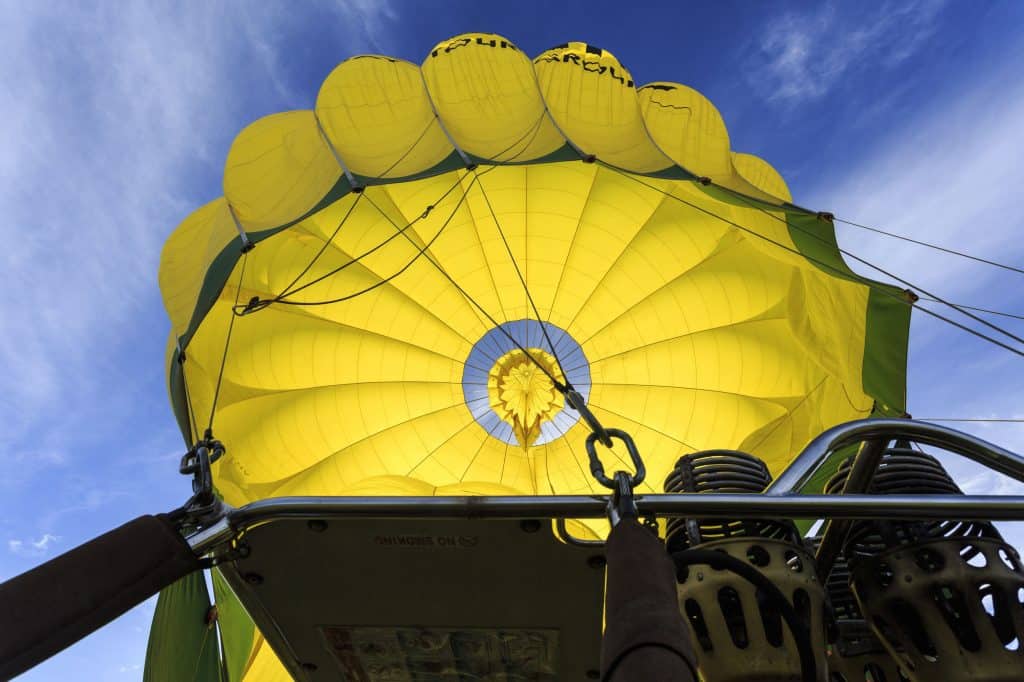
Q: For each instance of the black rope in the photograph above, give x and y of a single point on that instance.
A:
(980, 310)
(227, 344)
(258, 304)
(288, 289)
(400, 232)
(497, 325)
(876, 286)
(526, 289)
(931, 246)
(877, 268)
(360, 191)
(967, 329)
(421, 252)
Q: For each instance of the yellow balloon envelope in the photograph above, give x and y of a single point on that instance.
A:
(436, 248)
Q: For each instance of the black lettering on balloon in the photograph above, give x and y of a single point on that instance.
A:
(462, 42)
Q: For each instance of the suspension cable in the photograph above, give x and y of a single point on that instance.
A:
(971, 419)
(497, 325)
(874, 285)
(931, 246)
(980, 310)
(224, 356)
(526, 289)
(877, 268)
(327, 242)
(256, 304)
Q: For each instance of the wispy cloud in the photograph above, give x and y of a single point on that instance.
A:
(802, 55)
(373, 17)
(991, 483)
(116, 121)
(947, 176)
(33, 548)
(101, 117)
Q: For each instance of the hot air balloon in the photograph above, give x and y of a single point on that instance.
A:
(464, 278)
(435, 248)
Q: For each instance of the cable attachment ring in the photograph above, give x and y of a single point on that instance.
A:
(255, 303)
(597, 469)
(196, 462)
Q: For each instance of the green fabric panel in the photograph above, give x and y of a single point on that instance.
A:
(734, 198)
(236, 628)
(182, 647)
(563, 153)
(884, 375)
(885, 352)
(673, 172)
(179, 403)
(452, 162)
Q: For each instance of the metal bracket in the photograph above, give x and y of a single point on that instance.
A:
(204, 507)
(783, 499)
(621, 504)
(597, 469)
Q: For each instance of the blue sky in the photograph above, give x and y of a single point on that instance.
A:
(117, 118)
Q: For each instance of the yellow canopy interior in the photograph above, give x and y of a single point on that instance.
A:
(426, 223)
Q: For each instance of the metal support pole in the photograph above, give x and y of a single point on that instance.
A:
(865, 464)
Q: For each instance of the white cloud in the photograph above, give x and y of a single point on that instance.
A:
(802, 55)
(991, 483)
(99, 118)
(373, 17)
(33, 548)
(116, 119)
(949, 178)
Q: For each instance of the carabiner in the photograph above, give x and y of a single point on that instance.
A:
(597, 469)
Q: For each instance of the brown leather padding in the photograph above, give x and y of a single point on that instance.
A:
(645, 637)
(56, 604)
